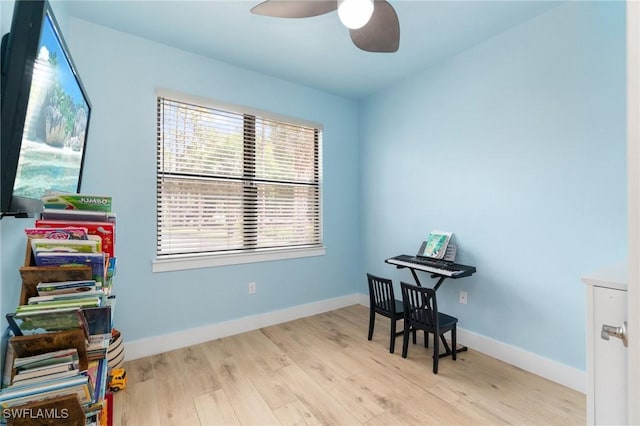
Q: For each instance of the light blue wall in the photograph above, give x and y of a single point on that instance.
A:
(518, 147)
(121, 74)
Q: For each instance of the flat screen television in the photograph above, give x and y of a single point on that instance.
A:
(45, 112)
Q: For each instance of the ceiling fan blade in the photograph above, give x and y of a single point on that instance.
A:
(294, 8)
(381, 33)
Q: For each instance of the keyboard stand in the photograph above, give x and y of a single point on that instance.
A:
(415, 277)
(441, 279)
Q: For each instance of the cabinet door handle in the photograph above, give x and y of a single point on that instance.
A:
(619, 332)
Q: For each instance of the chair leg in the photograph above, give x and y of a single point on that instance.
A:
(392, 341)
(453, 342)
(414, 335)
(372, 321)
(426, 339)
(436, 353)
(405, 339)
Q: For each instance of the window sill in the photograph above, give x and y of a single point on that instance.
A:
(179, 263)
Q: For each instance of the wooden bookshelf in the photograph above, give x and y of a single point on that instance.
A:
(67, 409)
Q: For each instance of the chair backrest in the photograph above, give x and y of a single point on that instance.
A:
(420, 306)
(381, 295)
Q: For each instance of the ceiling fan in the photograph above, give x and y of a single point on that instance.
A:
(373, 24)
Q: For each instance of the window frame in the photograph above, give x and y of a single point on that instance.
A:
(233, 257)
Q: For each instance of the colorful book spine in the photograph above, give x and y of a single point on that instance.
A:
(48, 286)
(44, 387)
(69, 246)
(70, 233)
(105, 230)
(77, 202)
(95, 260)
(78, 303)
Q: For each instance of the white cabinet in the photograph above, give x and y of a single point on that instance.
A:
(606, 359)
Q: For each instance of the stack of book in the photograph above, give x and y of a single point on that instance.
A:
(71, 252)
(49, 366)
(64, 305)
(46, 366)
(76, 385)
(76, 229)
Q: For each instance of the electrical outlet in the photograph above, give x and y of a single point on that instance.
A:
(252, 288)
(463, 297)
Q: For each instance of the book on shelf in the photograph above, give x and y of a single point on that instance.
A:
(95, 260)
(77, 215)
(45, 359)
(99, 324)
(45, 366)
(35, 345)
(110, 272)
(86, 302)
(28, 377)
(66, 287)
(69, 246)
(103, 229)
(76, 385)
(62, 233)
(33, 275)
(68, 371)
(98, 320)
(84, 202)
(111, 301)
(97, 373)
(45, 321)
(47, 370)
(48, 297)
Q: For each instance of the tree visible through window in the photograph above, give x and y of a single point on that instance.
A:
(232, 181)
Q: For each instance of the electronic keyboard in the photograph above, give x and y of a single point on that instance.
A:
(434, 266)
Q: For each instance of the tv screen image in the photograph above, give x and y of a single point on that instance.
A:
(43, 149)
(55, 124)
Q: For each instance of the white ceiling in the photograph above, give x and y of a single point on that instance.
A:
(318, 51)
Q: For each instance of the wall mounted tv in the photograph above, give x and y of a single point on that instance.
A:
(45, 112)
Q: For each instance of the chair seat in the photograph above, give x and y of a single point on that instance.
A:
(399, 309)
(446, 320)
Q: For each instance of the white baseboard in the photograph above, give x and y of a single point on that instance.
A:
(167, 342)
(552, 370)
(565, 375)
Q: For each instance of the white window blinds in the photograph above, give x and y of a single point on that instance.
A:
(229, 182)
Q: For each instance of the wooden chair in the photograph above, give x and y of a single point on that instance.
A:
(421, 313)
(383, 302)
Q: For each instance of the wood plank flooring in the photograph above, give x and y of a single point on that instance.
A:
(322, 370)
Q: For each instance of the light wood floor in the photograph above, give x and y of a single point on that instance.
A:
(323, 370)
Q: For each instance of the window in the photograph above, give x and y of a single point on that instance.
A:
(232, 182)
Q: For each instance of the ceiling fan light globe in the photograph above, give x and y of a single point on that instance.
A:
(355, 14)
